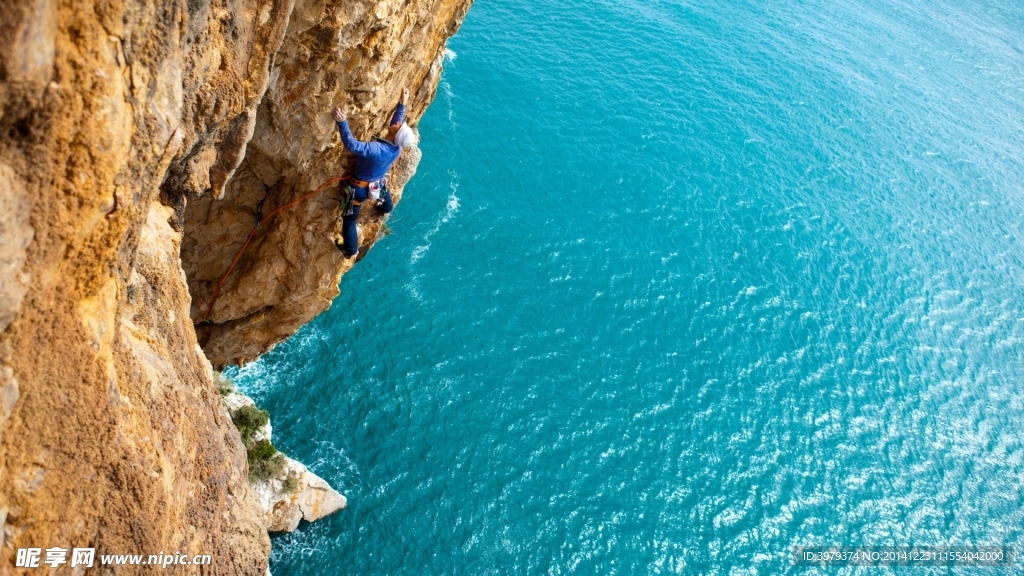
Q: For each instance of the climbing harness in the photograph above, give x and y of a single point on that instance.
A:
(258, 226)
(374, 191)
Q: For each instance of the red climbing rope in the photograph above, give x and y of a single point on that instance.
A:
(220, 284)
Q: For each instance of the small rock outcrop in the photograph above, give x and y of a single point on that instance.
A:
(311, 499)
(293, 493)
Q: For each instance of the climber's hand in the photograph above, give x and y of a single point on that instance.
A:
(405, 95)
(339, 114)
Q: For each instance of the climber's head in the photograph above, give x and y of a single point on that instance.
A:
(393, 131)
(402, 135)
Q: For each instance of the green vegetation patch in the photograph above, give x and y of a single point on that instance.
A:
(290, 485)
(265, 462)
(249, 419)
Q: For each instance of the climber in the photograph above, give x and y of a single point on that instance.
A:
(368, 179)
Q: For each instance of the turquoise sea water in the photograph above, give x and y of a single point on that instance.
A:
(679, 286)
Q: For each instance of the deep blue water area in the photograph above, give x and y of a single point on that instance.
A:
(679, 286)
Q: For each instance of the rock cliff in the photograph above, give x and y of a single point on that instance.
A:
(138, 141)
(358, 55)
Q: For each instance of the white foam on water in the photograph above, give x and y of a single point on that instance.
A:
(413, 290)
(449, 96)
(451, 208)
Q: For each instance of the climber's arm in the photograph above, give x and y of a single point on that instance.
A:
(351, 144)
(400, 111)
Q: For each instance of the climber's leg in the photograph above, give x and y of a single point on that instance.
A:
(385, 205)
(349, 234)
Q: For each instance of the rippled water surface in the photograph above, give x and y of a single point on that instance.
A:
(680, 285)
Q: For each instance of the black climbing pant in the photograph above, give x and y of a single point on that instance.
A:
(349, 233)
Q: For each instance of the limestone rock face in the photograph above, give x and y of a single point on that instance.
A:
(354, 54)
(121, 124)
(111, 435)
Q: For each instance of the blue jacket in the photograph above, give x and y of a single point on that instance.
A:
(374, 158)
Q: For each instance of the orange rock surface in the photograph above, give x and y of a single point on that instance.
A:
(136, 139)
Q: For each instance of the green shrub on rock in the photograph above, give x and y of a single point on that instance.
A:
(249, 419)
(290, 485)
(265, 462)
